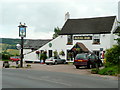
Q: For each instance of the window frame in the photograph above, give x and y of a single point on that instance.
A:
(69, 39)
(96, 39)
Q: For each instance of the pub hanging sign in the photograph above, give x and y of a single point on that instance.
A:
(22, 31)
(82, 37)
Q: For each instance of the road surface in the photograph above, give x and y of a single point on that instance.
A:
(18, 78)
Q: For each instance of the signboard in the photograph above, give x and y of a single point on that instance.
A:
(22, 31)
(82, 37)
(101, 49)
(50, 44)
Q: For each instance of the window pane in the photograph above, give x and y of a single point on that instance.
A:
(70, 39)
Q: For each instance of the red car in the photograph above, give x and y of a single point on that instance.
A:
(16, 58)
(85, 59)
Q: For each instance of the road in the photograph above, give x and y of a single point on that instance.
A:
(19, 78)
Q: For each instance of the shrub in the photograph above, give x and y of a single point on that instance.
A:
(62, 53)
(112, 55)
(55, 53)
(43, 56)
(28, 66)
(6, 56)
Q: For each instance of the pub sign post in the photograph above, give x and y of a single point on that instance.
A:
(22, 34)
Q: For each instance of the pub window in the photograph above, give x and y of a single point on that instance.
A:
(69, 39)
(96, 39)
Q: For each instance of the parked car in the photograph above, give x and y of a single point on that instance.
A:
(55, 60)
(85, 59)
(15, 58)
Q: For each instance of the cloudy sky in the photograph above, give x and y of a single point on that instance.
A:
(42, 16)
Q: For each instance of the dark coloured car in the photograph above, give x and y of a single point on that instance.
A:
(88, 60)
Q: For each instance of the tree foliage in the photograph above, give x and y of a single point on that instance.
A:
(56, 32)
(112, 55)
(5, 55)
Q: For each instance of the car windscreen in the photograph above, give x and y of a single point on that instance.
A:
(51, 58)
(81, 56)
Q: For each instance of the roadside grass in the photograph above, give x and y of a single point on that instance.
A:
(70, 63)
(111, 70)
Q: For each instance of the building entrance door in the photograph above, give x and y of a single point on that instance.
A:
(97, 53)
(50, 53)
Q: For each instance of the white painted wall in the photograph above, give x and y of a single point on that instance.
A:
(60, 42)
(25, 51)
(104, 42)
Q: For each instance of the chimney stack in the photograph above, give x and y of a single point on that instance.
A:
(67, 16)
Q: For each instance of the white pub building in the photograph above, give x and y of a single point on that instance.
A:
(81, 35)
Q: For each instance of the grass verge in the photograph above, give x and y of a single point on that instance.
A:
(112, 70)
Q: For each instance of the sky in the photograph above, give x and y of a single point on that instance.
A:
(42, 16)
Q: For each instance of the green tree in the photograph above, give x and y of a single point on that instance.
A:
(112, 55)
(56, 32)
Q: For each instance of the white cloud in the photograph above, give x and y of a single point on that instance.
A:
(42, 16)
(41, 35)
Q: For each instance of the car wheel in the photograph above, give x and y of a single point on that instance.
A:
(77, 67)
(64, 62)
(89, 65)
(47, 63)
(55, 63)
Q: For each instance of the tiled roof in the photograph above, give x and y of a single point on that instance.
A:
(88, 25)
(82, 46)
(36, 44)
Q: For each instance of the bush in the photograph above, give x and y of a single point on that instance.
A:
(43, 56)
(6, 56)
(55, 53)
(112, 55)
(62, 53)
(28, 66)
